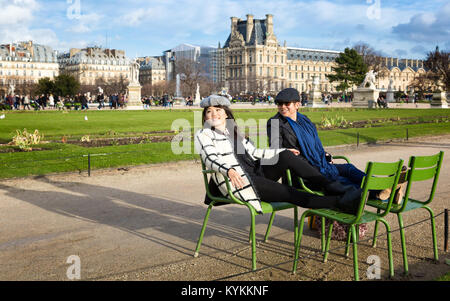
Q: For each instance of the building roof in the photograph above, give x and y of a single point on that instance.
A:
(311, 54)
(28, 51)
(258, 35)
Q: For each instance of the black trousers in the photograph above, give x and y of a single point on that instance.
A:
(270, 190)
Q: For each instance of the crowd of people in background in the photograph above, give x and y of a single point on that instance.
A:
(119, 101)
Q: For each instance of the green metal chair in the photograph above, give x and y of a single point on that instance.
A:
(421, 168)
(378, 176)
(266, 208)
(305, 188)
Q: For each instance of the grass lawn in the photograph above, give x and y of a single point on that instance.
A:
(58, 157)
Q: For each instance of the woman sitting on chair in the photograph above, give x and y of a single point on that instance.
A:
(254, 172)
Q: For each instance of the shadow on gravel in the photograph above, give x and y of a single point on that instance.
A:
(139, 214)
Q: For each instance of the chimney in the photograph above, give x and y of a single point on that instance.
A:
(392, 61)
(406, 62)
(396, 62)
(269, 23)
(249, 28)
(234, 21)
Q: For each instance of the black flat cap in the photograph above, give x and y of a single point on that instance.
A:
(287, 95)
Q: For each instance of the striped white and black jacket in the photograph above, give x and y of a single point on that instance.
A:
(216, 151)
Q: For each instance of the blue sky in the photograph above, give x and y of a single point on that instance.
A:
(404, 29)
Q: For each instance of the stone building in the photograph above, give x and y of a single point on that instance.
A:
(26, 63)
(401, 71)
(94, 63)
(152, 70)
(254, 61)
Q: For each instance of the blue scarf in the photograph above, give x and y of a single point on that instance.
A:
(311, 146)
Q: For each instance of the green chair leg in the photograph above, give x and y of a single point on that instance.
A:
(266, 237)
(322, 236)
(295, 223)
(355, 253)
(375, 232)
(403, 242)
(433, 232)
(327, 246)
(389, 244)
(347, 246)
(253, 240)
(202, 232)
(298, 242)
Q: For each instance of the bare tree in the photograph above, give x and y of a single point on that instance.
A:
(438, 66)
(371, 58)
(422, 84)
(194, 73)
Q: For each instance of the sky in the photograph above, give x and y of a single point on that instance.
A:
(403, 29)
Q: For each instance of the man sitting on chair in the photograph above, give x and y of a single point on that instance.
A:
(290, 129)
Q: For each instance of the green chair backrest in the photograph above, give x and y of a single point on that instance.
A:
(232, 199)
(422, 168)
(379, 176)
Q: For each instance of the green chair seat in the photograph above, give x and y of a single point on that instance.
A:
(277, 206)
(411, 205)
(344, 218)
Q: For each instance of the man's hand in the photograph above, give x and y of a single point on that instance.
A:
(236, 179)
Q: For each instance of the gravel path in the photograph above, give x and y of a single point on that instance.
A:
(142, 223)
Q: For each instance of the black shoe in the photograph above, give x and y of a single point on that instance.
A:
(349, 202)
(337, 188)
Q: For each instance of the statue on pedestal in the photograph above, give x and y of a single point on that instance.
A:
(11, 89)
(197, 95)
(134, 79)
(134, 88)
(366, 97)
(390, 91)
(370, 79)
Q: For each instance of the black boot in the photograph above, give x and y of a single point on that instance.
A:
(337, 188)
(349, 202)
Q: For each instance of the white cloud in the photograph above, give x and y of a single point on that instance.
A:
(426, 27)
(86, 23)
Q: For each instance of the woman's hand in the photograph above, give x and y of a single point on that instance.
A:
(236, 179)
(294, 151)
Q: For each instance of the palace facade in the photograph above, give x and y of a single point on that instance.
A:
(252, 60)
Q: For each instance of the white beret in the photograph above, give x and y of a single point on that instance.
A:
(215, 100)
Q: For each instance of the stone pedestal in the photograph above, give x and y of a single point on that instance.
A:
(439, 100)
(365, 98)
(390, 96)
(134, 95)
(315, 100)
